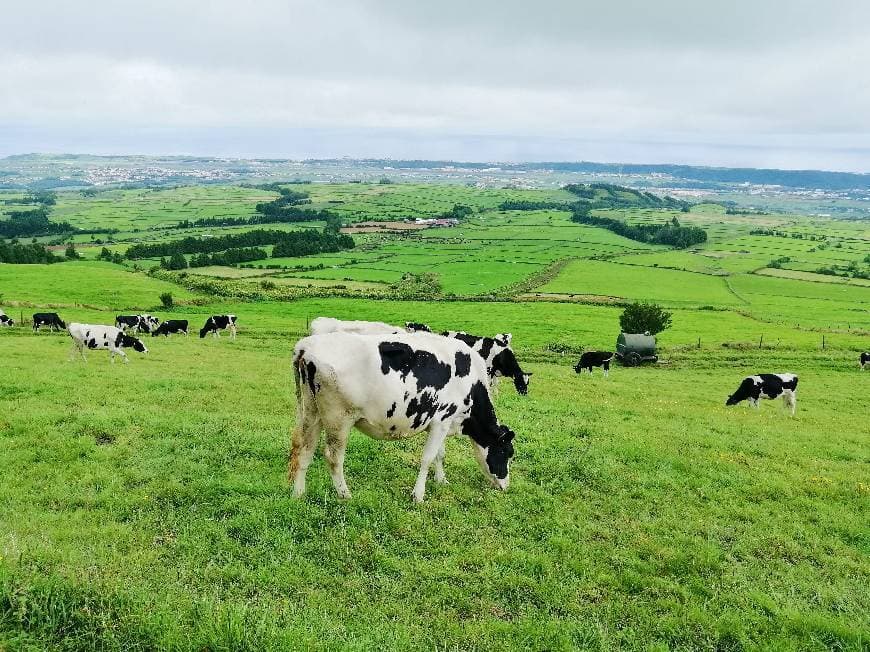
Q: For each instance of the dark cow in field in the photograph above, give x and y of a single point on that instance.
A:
(864, 360)
(138, 323)
(391, 387)
(217, 323)
(169, 327)
(594, 359)
(6, 320)
(416, 327)
(767, 386)
(111, 338)
(50, 319)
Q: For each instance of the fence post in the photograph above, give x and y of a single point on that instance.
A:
(823, 341)
(761, 340)
(699, 342)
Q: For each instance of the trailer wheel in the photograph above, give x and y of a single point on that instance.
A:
(633, 359)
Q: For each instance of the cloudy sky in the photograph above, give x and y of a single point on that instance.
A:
(780, 83)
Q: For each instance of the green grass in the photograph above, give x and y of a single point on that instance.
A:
(641, 511)
(145, 506)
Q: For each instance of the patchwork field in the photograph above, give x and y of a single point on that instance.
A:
(145, 506)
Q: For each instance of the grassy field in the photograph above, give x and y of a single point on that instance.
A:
(145, 506)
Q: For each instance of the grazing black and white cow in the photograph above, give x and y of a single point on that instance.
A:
(391, 387)
(767, 386)
(324, 325)
(594, 359)
(498, 356)
(103, 337)
(6, 320)
(169, 327)
(50, 319)
(416, 327)
(217, 323)
(144, 323)
(864, 360)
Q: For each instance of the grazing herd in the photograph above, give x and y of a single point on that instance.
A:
(390, 383)
(118, 337)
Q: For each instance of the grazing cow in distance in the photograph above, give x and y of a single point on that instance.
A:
(391, 387)
(594, 359)
(145, 323)
(50, 319)
(767, 386)
(6, 320)
(324, 325)
(169, 327)
(217, 323)
(103, 337)
(416, 327)
(864, 360)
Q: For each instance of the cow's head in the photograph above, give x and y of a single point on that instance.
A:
(498, 457)
(128, 341)
(415, 327)
(743, 392)
(61, 323)
(159, 330)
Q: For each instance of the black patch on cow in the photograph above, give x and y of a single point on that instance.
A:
(486, 344)
(427, 370)
(392, 410)
(417, 327)
(449, 410)
(462, 363)
(483, 427)
(310, 370)
(91, 343)
(422, 408)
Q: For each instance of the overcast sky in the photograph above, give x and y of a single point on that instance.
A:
(780, 83)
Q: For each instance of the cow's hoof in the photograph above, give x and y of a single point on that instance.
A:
(344, 495)
(441, 480)
(417, 497)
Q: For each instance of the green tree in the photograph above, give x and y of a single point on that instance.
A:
(71, 252)
(166, 300)
(177, 261)
(640, 317)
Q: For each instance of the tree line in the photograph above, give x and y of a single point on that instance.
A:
(25, 254)
(227, 258)
(668, 233)
(289, 243)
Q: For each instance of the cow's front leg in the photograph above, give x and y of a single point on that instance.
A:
(434, 443)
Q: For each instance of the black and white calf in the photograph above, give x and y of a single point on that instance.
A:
(217, 323)
(767, 386)
(169, 327)
(498, 356)
(143, 323)
(864, 360)
(594, 359)
(6, 320)
(324, 325)
(416, 327)
(111, 338)
(50, 319)
(391, 387)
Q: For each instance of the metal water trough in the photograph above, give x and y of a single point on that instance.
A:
(633, 349)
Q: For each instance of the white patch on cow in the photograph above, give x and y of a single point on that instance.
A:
(324, 325)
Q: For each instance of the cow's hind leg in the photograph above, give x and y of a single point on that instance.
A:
(434, 443)
(790, 401)
(302, 450)
(333, 451)
(440, 477)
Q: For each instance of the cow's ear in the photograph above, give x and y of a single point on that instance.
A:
(507, 337)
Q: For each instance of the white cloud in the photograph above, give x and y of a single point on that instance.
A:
(752, 75)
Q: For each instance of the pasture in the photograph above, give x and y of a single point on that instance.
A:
(146, 506)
